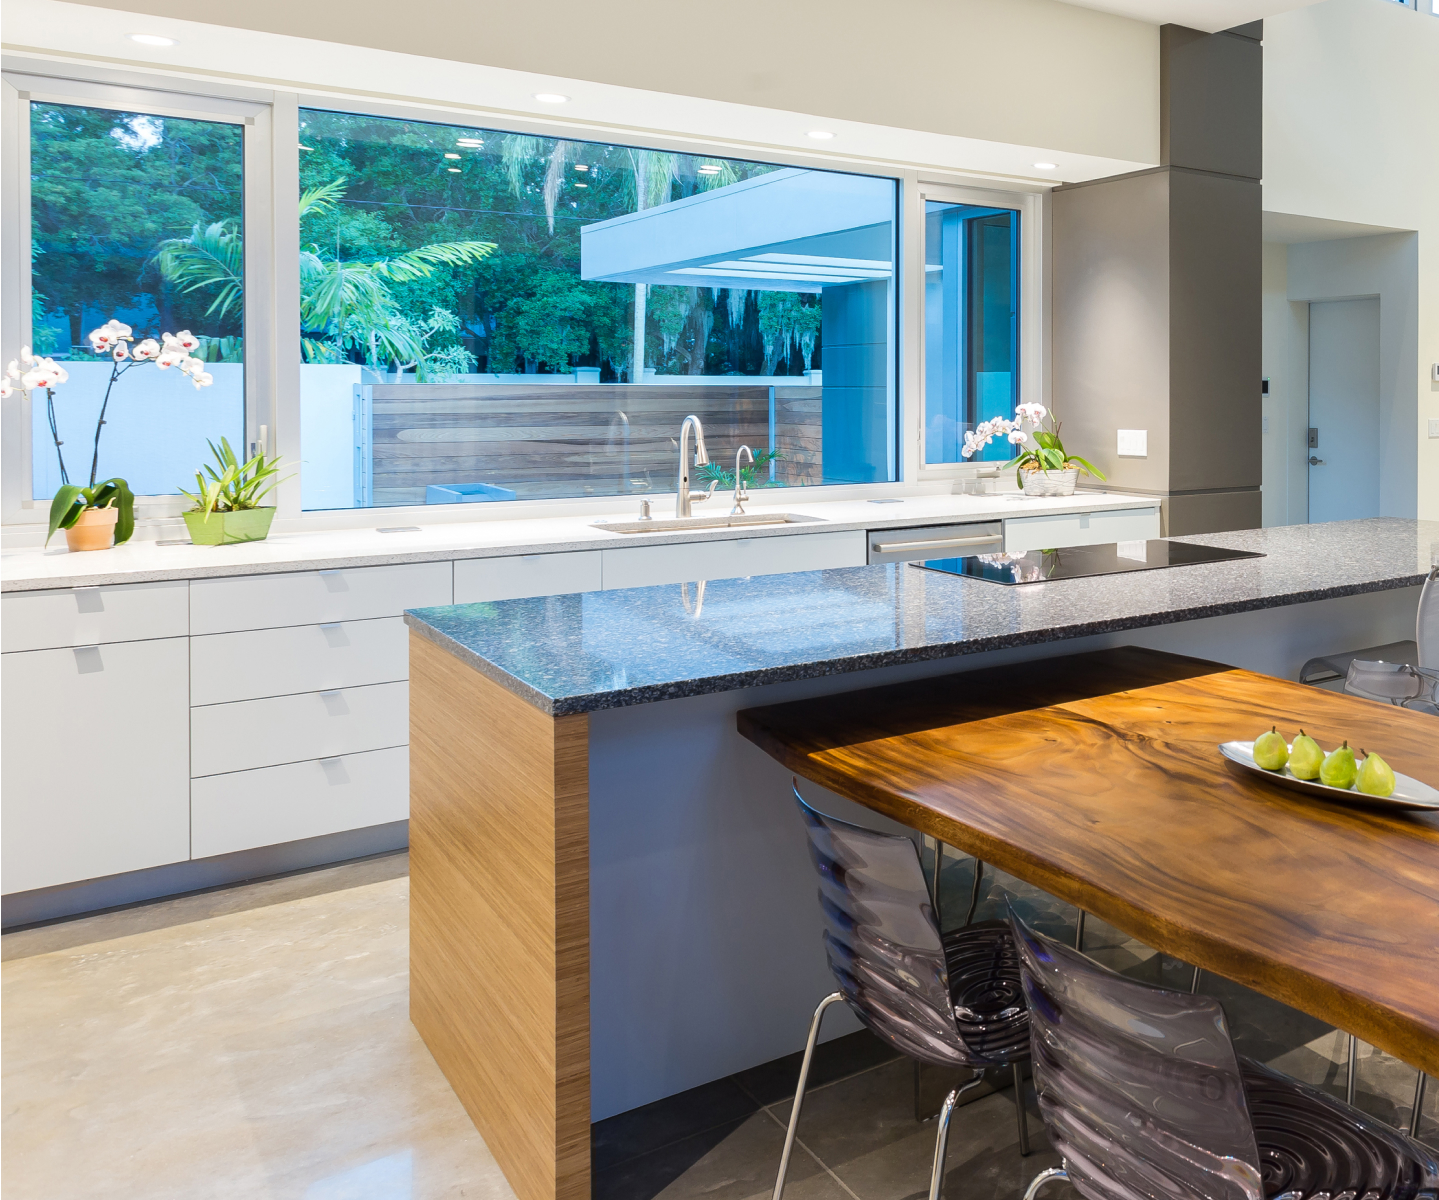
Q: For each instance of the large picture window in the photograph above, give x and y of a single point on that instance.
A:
(136, 218)
(492, 316)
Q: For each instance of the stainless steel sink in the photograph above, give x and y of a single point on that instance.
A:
(672, 524)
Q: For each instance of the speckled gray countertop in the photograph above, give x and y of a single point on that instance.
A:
(580, 653)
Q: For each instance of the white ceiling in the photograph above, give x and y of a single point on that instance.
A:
(1292, 228)
(1208, 15)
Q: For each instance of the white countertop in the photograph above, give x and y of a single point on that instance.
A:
(31, 568)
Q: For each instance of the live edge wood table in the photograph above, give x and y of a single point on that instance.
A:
(1096, 777)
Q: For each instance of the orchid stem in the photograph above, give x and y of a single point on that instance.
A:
(115, 373)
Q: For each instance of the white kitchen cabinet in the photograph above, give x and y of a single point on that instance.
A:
(513, 578)
(1051, 532)
(270, 805)
(281, 729)
(96, 761)
(642, 566)
(316, 597)
(304, 658)
(89, 616)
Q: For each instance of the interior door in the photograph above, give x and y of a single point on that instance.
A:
(1343, 410)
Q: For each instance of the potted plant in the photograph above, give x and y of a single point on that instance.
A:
(1043, 466)
(227, 503)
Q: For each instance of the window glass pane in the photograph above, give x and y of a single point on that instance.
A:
(491, 316)
(971, 325)
(136, 218)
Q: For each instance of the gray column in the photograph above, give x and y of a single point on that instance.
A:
(1157, 294)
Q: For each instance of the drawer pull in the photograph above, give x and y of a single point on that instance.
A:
(335, 581)
(89, 600)
(987, 539)
(336, 773)
(335, 634)
(336, 704)
(88, 660)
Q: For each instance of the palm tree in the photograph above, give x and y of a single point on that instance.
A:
(350, 302)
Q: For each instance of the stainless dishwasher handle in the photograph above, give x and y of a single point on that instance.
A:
(985, 539)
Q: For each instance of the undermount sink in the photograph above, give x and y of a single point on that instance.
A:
(671, 524)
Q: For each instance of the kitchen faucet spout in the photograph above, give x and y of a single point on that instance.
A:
(683, 496)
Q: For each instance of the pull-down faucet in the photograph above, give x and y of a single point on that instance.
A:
(741, 493)
(683, 496)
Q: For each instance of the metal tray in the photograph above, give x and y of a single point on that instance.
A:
(1408, 793)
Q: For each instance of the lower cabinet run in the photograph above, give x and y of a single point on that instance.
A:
(246, 809)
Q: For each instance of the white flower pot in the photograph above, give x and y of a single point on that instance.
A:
(1050, 483)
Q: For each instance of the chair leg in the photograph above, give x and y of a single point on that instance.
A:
(974, 890)
(1042, 1178)
(1353, 1069)
(1020, 1114)
(941, 1137)
(1079, 931)
(934, 896)
(1194, 983)
(1418, 1104)
(799, 1091)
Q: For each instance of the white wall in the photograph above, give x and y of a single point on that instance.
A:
(1285, 365)
(1351, 126)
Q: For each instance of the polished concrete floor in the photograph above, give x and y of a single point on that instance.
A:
(254, 1042)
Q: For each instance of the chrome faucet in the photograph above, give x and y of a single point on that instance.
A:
(683, 496)
(740, 494)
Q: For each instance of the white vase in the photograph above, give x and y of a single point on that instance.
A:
(1050, 483)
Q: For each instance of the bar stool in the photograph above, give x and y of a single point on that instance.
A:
(950, 1001)
(1142, 1094)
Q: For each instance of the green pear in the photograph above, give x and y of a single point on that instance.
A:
(1338, 769)
(1305, 757)
(1376, 777)
(1270, 752)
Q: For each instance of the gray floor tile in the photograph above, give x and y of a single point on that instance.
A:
(643, 1130)
(833, 1060)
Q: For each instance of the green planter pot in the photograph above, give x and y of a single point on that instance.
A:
(247, 525)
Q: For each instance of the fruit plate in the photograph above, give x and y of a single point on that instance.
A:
(1408, 793)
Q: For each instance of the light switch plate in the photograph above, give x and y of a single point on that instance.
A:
(1265, 428)
(1433, 427)
(1134, 443)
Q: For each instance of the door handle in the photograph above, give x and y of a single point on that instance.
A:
(939, 544)
(1315, 462)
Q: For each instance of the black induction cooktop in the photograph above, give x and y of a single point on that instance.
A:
(1076, 562)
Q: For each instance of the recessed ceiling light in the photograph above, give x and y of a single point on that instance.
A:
(151, 39)
(468, 143)
(448, 155)
(581, 185)
(582, 166)
(453, 170)
(550, 98)
(304, 147)
(709, 169)
(1044, 166)
(820, 135)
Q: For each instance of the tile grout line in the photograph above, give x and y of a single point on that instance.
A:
(823, 1166)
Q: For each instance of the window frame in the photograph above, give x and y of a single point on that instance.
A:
(24, 83)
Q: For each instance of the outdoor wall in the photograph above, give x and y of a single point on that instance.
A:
(1090, 79)
(1351, 103)
(857, 410)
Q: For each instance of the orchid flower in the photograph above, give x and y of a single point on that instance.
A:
(46, 373)
(108, 335)
(184, 340)
(171, 358)
(7, 389)
(1017, 437)
(120, 353)
(192, 366)
(145, 350)
(201, 379)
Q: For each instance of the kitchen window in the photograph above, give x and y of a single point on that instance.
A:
(489, 316)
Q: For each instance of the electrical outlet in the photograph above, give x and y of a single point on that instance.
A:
(1433, 427)
(1134, 443)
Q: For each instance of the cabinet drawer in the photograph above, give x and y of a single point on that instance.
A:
(301, 658)
(95, 761)
(287, 729)
(526, 575)
(643, 566)
(1022, 534)
(316, 597)
(90, 616)
(264, 807)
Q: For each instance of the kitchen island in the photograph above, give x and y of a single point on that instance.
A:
(611, 895)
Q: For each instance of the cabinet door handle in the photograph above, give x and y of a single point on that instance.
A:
(987, 539)
(88, 660)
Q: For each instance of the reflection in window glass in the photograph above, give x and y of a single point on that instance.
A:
(971, 325)
(491, 316)
(139, 219)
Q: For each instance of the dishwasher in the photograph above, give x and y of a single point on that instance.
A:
(935, 541)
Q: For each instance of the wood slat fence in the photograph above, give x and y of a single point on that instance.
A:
(559, 441)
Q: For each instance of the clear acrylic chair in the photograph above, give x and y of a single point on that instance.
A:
(1143, 1095)
(949, 1000)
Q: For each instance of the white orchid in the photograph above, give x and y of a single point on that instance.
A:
(192, 366)
(1017, 437)
(120, 353)
(184, 340)
(985, 432)
(171, 358)
(46, 373)
(7, 389)
(105, 338)
(1033, 413)
(201, 379)
(145, 350)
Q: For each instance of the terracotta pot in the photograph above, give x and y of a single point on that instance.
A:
(94, 529)
(1050, 483)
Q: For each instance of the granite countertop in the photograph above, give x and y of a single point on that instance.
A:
(33, 568)
(581, 653)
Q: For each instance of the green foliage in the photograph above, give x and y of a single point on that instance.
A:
(209, 257)
(713, 472)
(234, 486)
(72, 500)
(1048, 454)
(785, 319)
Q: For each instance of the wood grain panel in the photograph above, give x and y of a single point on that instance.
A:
(499, 916)
(1096, 777)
